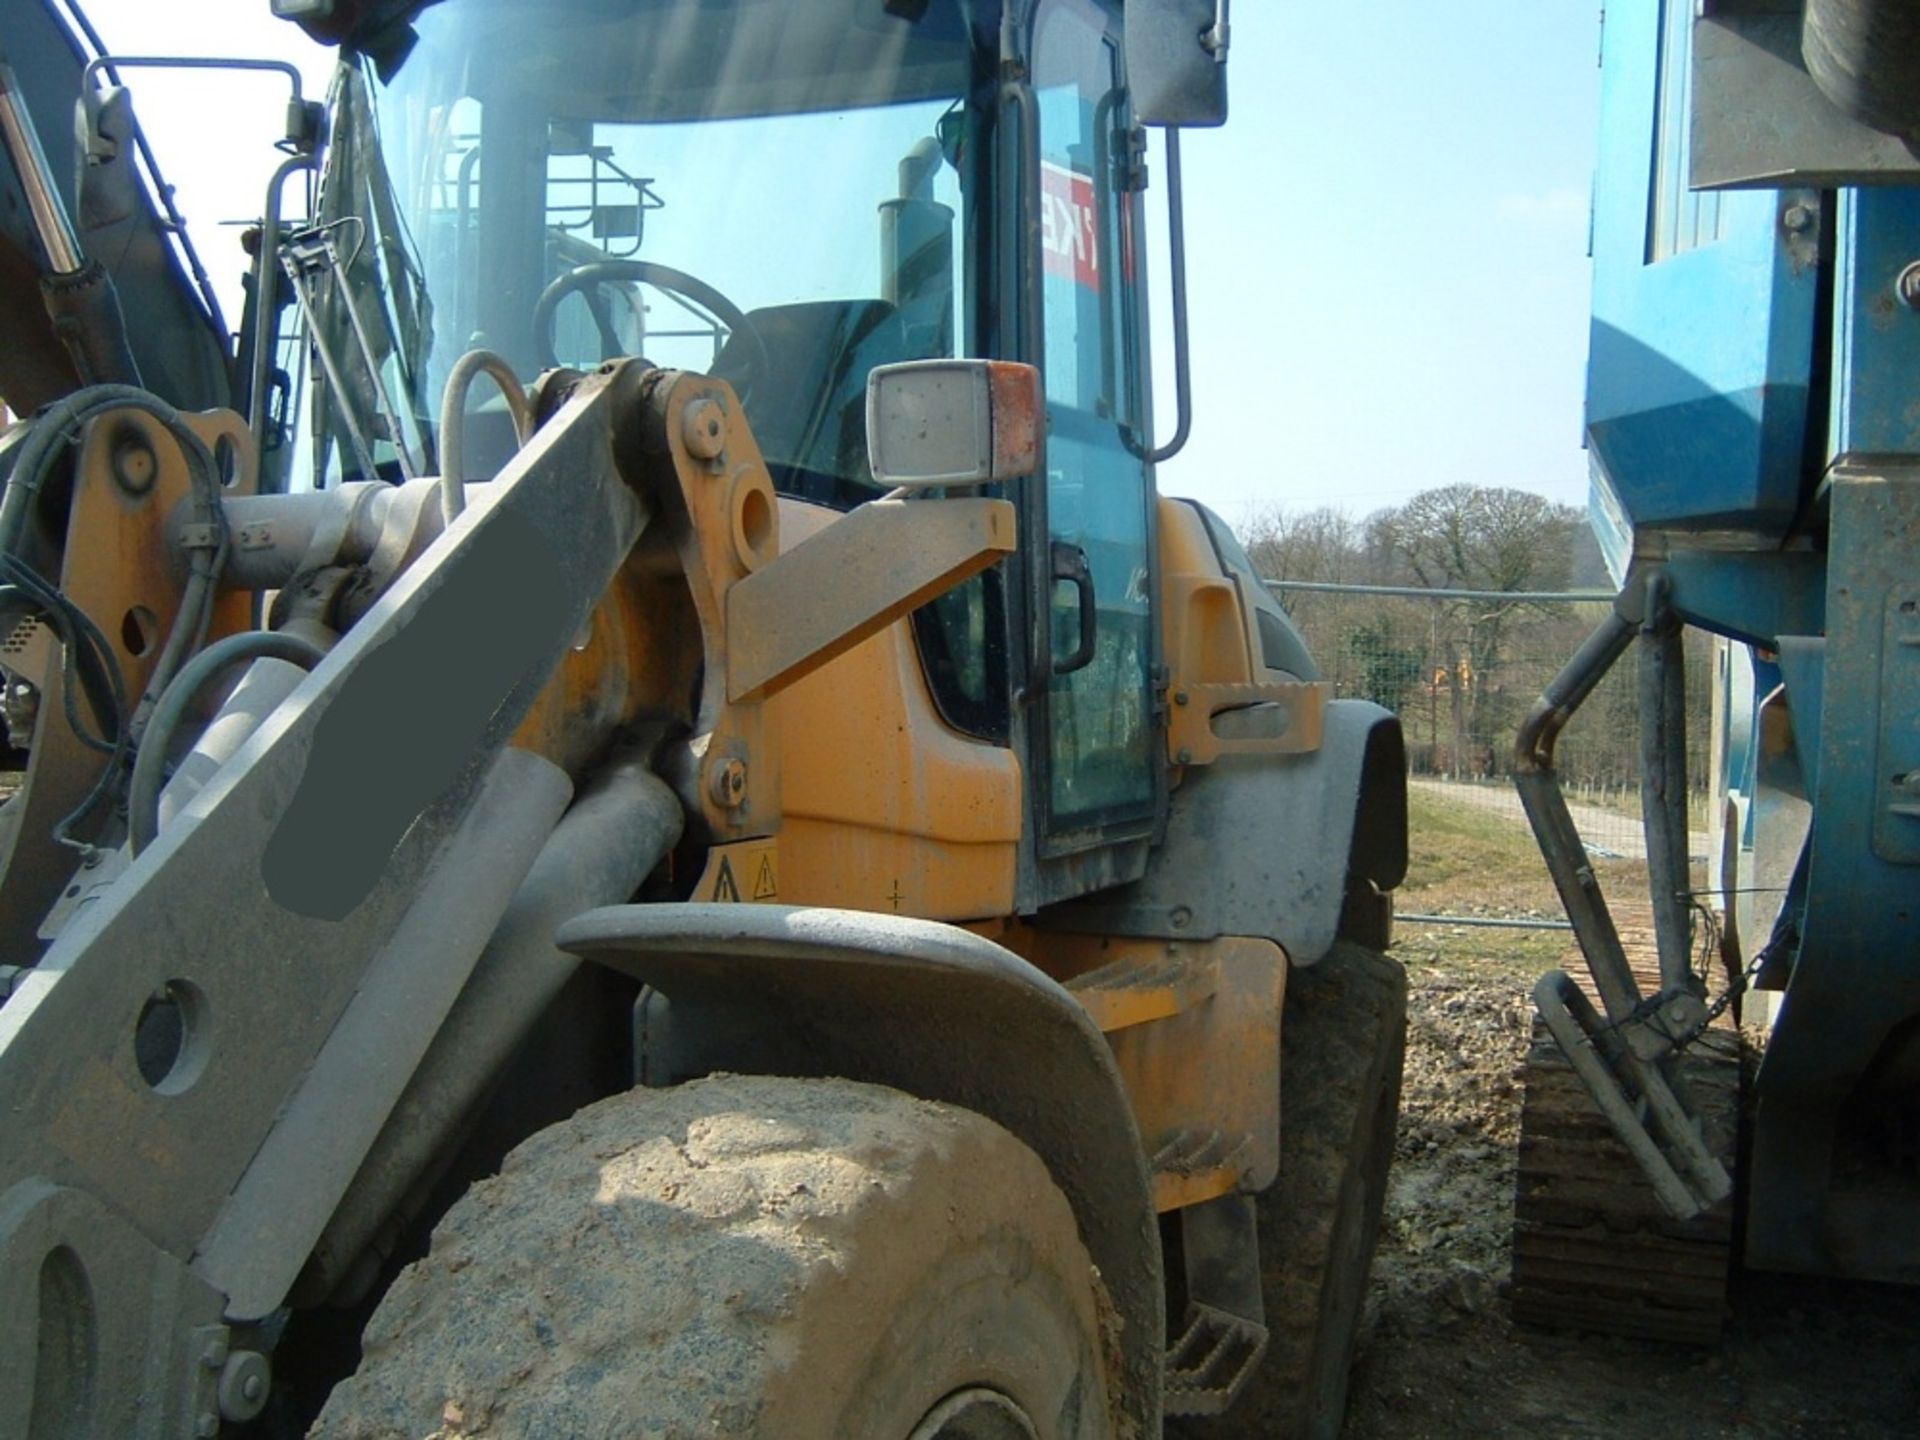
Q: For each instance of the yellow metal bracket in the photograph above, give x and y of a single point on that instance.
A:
(1207, 721)
(860, 574)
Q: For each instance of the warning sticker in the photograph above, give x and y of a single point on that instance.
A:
(741, 874)
(1069, 225)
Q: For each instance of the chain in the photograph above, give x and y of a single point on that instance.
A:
(1741, 983)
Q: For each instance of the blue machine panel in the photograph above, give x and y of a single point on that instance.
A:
(1703, 307)
(1876, 338)
(1856, 976)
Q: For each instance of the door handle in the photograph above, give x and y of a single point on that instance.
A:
(1070, 563)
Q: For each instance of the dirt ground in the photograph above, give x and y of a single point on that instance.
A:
(1439, 1356)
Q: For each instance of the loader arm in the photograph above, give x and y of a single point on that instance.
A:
(308, 920)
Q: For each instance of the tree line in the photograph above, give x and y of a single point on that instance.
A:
(1463, 673)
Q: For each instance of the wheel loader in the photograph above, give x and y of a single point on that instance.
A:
(636, 820)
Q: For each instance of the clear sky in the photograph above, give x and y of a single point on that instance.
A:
(1387, 253)
(1386, 244)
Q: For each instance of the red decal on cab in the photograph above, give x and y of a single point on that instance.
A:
(1069, 225)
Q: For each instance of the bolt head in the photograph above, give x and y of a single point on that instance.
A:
(243, 1386)
(728, 783)
(1798, 218)
(135, 466)
(1907, 287)
(703, 428)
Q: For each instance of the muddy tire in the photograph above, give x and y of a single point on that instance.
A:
(1343, 1039)
(750, 1258)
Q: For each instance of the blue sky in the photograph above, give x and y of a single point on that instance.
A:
(1387, 252)
(1386, 244)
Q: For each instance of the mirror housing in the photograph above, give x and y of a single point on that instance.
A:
(382, 30)
(1177, 61)
(954, 422)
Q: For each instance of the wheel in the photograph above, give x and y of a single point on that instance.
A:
(661, 277)
(751, 1258)
(1343, 1038)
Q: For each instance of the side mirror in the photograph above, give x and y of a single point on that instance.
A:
(1177, 61)
(954, 422)
(382, 30)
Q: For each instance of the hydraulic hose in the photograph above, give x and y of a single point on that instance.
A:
(50, 429)
(149, 766)
(453, 421)
(35, 462)
(85, 310)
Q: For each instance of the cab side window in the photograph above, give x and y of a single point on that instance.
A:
(1100, 729)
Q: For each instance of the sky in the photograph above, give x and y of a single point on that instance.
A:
(1386, 242)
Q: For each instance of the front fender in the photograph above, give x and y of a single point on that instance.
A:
(1270, 845)
(929, 1009)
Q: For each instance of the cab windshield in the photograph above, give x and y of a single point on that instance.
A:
(779, 194)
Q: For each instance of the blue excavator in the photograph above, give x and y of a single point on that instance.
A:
(1754, 433)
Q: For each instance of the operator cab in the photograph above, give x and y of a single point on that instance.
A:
(785, 196)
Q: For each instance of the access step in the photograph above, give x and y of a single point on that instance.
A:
(1146, 986)
(1211, 1360)
(1190, 1166)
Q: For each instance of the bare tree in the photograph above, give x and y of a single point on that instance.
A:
(1480, 537)
(1486, 538)
(1319, 545)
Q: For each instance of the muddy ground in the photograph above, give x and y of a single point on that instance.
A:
(1439, 1356)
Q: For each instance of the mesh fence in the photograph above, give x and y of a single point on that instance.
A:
(1462, 671)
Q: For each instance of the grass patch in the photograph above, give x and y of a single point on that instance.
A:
(1463, 860)
(1449, 843)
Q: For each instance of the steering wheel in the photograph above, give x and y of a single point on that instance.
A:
(661, 277)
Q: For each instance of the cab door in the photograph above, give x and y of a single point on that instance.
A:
(1098, 770)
